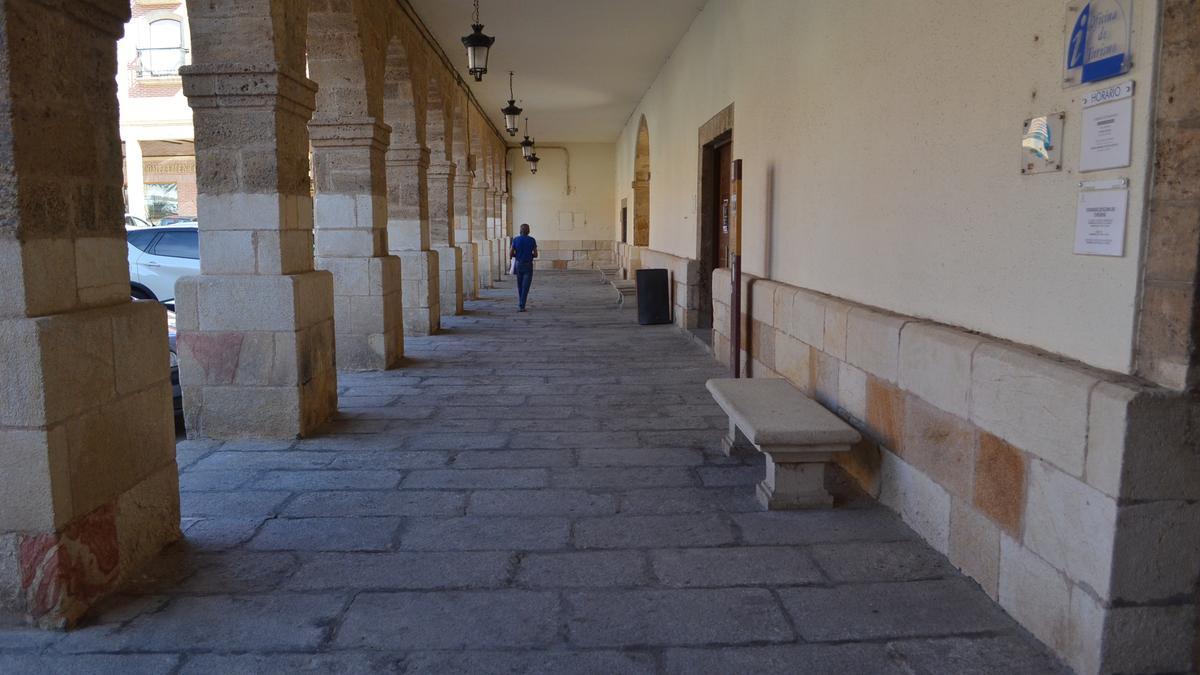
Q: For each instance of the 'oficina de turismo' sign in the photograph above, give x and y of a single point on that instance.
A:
(1098, 37)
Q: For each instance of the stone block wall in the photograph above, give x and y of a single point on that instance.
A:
(1069, 494)
(572, 254)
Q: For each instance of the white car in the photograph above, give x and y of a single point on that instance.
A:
(159, 256)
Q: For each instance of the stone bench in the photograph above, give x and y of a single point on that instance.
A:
(797, 435)
(626, 288)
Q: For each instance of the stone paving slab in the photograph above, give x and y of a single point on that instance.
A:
(870, 658)
(678, 617)
(537, 492)
(583, 569)
(892, 610)
(451, 620)
(408, 571)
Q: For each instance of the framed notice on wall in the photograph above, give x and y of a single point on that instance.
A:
(1107, 128)
(1100, 220)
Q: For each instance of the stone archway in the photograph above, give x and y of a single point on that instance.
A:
(466, 175)
(251, 103)
(641, 186)
(407, 164)
(439, 134)
(346, 59)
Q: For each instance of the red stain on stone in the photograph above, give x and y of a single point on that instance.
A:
(62, 573)
(216, 353)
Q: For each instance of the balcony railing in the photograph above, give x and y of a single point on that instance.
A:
(154, 62)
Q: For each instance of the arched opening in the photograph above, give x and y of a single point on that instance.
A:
(403, 104)
(348, 138)
(408, 191)
(439, 134)
(466, 174)
(641, 187)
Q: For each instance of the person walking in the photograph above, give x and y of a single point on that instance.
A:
(524, 250)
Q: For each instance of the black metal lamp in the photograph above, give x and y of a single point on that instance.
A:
(511, 111)
(533, 160)
(526, 145)
(477, 45)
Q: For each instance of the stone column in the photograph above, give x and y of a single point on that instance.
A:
(408, 238)
(441, 235)
(463, 215)
(494, 231)
(135, 178)
(256, 334)
(480, 230)
(351, 242)
(89, 488)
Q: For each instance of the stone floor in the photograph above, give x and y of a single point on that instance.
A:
(534, 492)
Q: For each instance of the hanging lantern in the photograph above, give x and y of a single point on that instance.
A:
(533, 160)
(477, 45)
(526, 145)
(511, 111)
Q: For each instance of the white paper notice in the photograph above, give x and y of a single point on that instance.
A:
(1100, 222)
(1107, 131)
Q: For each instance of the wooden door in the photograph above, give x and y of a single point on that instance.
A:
(724, 159)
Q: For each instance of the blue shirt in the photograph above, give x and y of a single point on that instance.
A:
(524, 245)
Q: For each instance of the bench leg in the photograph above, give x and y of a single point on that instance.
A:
(730, 439)
(794, 485)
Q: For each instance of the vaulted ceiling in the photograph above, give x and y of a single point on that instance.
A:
(581, 65)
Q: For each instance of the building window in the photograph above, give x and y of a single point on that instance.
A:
(162, 199)
(162, 51)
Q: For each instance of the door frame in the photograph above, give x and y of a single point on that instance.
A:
(716, 132)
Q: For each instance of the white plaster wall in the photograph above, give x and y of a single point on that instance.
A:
(539, 199)
(880, 142)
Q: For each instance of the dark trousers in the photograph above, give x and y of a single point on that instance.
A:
(524, 280)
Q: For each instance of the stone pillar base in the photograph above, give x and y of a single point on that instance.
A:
(419, 290)
(89, 481)
(450, 279)
(256, 354)
(367, 311)
(52, 578)
(470, 273)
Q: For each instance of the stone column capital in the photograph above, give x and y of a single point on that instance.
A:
(349, 133)
(261, 86)
(408, 155)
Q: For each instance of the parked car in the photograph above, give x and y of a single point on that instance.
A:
(175, 220)
(158, 257)
(134, 221)
(176, 392)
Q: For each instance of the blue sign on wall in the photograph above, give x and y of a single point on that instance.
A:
(1097, 40)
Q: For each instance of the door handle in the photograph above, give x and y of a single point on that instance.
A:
(151, 264)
